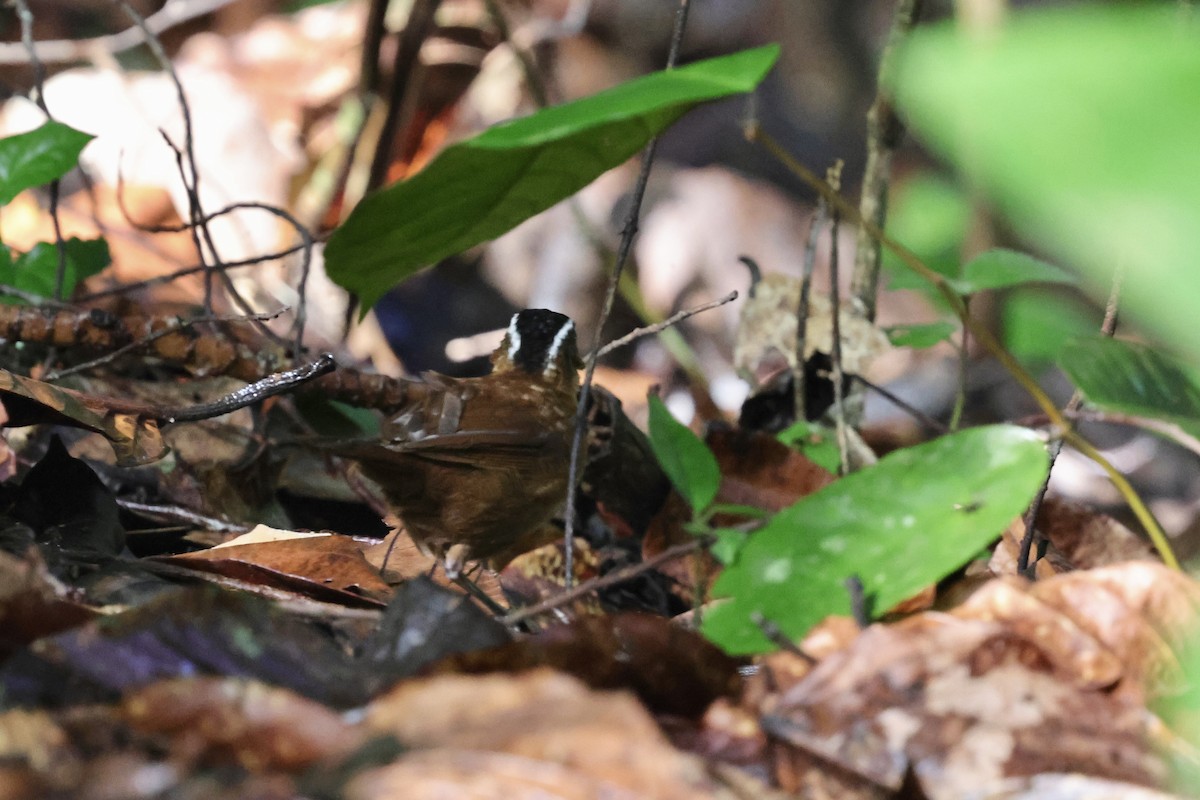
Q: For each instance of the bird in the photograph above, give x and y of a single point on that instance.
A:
(476, 467)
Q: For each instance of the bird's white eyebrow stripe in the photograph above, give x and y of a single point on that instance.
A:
(514, 338)
(556, 345)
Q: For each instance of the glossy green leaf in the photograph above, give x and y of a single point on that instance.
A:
(38, 157)
(1132, 378)
(900, 525)
(482, 187)
(920, 336)
(1004, 269)
(1080, 124)
(686, 460)
(36, 271)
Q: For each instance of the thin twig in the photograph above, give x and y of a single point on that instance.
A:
(373, 31)
(1108, 327)
(189, 172)
(799, 376)
(1162, 427)
(188, 154)
(200, 231)
(57, 51)
(39, 88)
(903, 405)
(775, 635)
(884, 131)
(405, 67)
(674, 319)
(611, 579)
(860, 603)
(306, 246)
(834, 177)
(32, 298)
(126, 288)
(960, 393)
(627, 235)
(533, 78)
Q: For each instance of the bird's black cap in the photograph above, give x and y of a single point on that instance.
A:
(538, 337)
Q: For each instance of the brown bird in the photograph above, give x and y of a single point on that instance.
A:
(475, 467)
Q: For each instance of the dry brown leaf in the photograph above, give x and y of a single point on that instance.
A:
(135, 439)
(34, 739)
(1021, 680)
(33, 604)
(397, 558)
(479, 775)
(1075, 653)
(1079, 538)
(1142, 611)
(540, 726)
(261, 727)
(965, 704)
(330, 567)
(540, 574)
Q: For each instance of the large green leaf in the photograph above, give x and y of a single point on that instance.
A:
(40, 156)
(1004, 269)
(1037, 321)
(1132, 378)
(480, 188)
(898, 526)
(1081, 124)
(688, 462)
(37, 270)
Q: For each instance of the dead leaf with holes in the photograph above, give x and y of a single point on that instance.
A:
(767, 329)
(1022, 681)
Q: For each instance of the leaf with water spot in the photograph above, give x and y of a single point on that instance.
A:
(900, 525)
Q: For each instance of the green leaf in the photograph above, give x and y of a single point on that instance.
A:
(480, 188)
(728, 542)
(1132, 378)
(900, 525)
(920, 336)
(40, 156)
(818, 444)
(36, 270)
(1037, 322)
(929, 215)
(1080, 124)
(688, 462)
(1003, 269)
